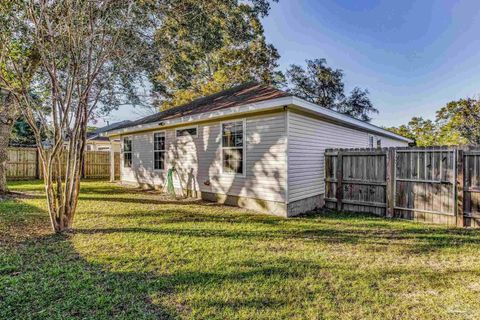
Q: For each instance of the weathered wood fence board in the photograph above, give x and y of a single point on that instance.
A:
(471, 188)
(23, 164)
(362, 183)
(422, 184)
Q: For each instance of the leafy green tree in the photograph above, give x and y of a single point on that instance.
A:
(16, 47)
(323, 85)
(318, 83)
(207, 46)
(423, 132)
(90, 57)
(358, 105)
(459, 122)
(456, 123)
(22, 133)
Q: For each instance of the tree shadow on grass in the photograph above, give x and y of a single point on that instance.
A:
(46, 278)
(412, 238)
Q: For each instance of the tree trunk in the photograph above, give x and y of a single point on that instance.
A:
(5, 131)
(8, 116)
(62, 170)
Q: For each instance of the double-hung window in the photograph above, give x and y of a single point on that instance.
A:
(159, 151)
(127, 152)
(233, 147)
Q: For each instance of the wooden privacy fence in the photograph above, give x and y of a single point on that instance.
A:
(436, 184)
(24, 164)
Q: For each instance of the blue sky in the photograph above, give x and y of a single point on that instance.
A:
(413, 56)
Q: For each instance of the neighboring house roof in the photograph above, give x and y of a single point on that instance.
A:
(245, 98)
(96, 135)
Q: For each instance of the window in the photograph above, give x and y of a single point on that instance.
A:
(127, 152)
(159, 151)
(233, 147)
(185, 132)
(374, 141)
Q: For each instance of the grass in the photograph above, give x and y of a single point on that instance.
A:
(139, 255)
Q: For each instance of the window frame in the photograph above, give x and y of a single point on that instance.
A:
(164, 151)
(186, 128)
(371, 141)
(244, 149)
(123, 151)
(374, 139)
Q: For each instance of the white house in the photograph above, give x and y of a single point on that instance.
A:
(252, 146)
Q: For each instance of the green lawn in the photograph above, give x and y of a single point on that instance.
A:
(139, 255)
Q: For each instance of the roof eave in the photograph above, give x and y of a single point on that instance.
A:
(258, 107)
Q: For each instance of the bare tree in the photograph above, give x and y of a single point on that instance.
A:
(84, 58)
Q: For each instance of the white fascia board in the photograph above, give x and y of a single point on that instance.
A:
(333, 115)
(212, 115)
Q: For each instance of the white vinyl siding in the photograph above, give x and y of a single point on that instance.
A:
(308, 138)
(198, 160)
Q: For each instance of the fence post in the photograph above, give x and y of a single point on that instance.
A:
(112, 163)
(37, 163)
(339, 175)
(390, 180)
(459, 188)
(83, 164)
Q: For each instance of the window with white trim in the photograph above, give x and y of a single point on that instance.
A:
(374, 141)
(233, 147)
(159, 151)
(371, 139)
(127, 152)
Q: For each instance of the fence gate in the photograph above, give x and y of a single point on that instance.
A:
(356, 180)
(424, 187)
